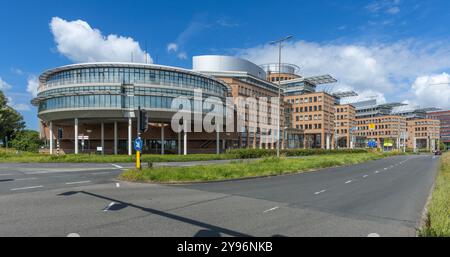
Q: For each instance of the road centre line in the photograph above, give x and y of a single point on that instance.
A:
(117, 166)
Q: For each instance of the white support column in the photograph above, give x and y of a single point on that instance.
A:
(328, 141)
(179, 143)
(163, 146)
(218, 139)
(130, 127)
(115, 138)
(103, 138)
(51, 138)
(76, 136)
(185, 139)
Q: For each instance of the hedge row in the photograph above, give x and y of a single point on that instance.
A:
(262, 153)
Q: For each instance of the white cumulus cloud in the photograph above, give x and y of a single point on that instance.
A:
(432, 90)
(32, 86)
(172, 47)
(79, 42)
(381, 71)
(4, 85)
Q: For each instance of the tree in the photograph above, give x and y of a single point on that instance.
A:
(27, 141)
(11, 122)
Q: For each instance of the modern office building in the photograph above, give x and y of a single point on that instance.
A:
(444, 118)
(371, 109)
(95, 105)
(248, 81)
(276, 73)
(423, 134)
(412, 113)
(388, 131)
(345, 123)
(314, 113)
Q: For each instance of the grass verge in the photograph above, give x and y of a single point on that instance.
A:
(438, 217)
(11, 156)
(238, 170)
(85, 158)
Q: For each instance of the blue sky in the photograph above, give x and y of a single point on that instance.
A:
(392, 50)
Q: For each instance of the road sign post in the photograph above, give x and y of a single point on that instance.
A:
(138, 147)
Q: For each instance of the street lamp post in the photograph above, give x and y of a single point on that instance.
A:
(280, 45)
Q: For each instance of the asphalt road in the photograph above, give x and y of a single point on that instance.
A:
(384, 197)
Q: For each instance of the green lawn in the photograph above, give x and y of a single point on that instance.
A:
(267, 167)
(438, 222)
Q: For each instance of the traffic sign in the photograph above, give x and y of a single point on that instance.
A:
(138, 144)
(372, 144)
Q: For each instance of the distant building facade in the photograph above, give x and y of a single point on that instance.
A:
(444, 118)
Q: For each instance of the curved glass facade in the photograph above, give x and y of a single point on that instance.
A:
(122, 88)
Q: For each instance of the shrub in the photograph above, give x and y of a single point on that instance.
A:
(262, 153)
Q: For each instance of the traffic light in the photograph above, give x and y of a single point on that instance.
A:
(143, 116)
(60, 133)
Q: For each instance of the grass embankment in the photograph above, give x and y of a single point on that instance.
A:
(438, 219)
(238, 170)
(12, 157)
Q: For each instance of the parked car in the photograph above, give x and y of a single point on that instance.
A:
(438, 153)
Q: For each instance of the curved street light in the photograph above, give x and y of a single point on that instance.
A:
(280, 45)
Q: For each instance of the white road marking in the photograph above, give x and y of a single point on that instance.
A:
(6, 174)
(117, 166)
(273, 209)
(26, 188)
(25, 179)
(348, 182)
(373, 235)
(109, 206)
(365, 176)
(376, 172)
(73, 235)
(385, 168)
(100, 173)
(79, 182)
(320, 192)
(117, 185)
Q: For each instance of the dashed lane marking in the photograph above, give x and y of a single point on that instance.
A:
(25, 179)
(109, 206)
(273, 209)
(26, 188)
(79, 182)
(320, 192)
(348, 182)
(117, 166)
